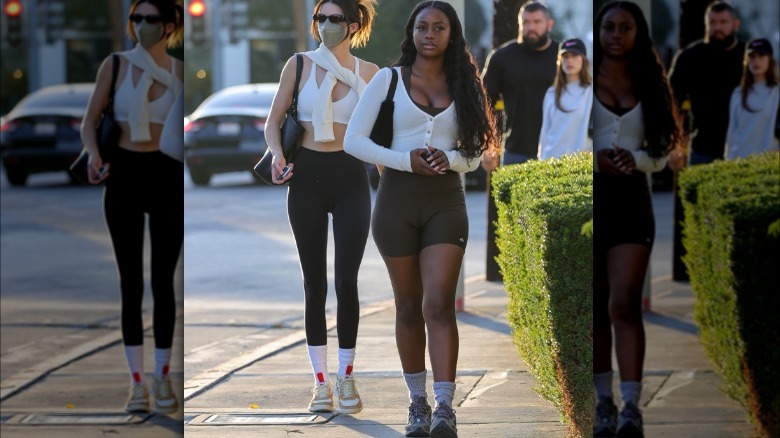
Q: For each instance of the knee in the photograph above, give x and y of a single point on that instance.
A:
(625, 311)
(439, 311)
(408, 314)
(346, 289)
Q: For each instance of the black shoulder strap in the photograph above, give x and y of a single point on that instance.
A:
(393, 83)
(114, 73)
(298, 71)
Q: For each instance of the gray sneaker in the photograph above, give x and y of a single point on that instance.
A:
(605, 423)
(419, 423)
(630, 422)
(443, 424)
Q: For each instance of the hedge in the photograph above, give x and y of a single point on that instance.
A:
(731, 211)
(546, 259)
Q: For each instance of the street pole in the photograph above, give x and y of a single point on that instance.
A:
(505, 28)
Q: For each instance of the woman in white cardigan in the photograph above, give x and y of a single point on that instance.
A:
(567, 104)
(141, 180)
(442, 124)
(754, 104)
(635, 125)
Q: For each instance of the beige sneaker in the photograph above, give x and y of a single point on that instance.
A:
(164, 398)
(138, 401)
(349, 399)
(322, 398)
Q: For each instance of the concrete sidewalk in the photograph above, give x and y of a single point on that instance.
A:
(494, 396)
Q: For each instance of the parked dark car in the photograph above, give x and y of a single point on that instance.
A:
(226, 132)
(42, 132)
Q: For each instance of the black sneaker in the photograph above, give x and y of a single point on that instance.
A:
(443, 424)
(630, 422)
(419, 423)
(605, 423)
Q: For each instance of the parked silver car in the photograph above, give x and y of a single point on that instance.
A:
(42, 132)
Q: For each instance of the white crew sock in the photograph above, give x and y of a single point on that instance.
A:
(318, 354)
(135, 361)
(346, 361)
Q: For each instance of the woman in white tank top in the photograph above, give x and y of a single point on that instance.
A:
(325, 180)
(141, 180)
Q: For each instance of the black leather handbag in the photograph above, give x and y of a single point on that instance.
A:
(107, 133)
(291, 132)
(382, 133)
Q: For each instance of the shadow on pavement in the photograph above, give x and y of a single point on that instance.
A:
(484, 322)
(671, 323)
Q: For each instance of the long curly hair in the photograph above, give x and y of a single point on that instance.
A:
(477, 130)
(663, 124)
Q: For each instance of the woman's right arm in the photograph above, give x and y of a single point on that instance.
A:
(276, 116)
(97, 101)
(357, 141)
(734, 108)
(548, 105)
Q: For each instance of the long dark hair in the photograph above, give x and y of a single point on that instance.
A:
(663, 125)
(561, 80)
(476, 121)
(748, 80)
(362, 12)
(171, 11)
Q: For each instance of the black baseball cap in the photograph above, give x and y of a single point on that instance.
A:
(760, 45)
(573, 45)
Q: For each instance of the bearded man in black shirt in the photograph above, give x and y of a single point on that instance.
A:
(705, 73)
(519, 73)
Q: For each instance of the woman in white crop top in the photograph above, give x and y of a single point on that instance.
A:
(420, 224)
(141, 180)
(635, 124)
(325, 180)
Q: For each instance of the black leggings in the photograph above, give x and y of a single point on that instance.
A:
(335, 183)
(151, 183)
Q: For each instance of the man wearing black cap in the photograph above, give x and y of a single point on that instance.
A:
(705, 73)
(518, 73)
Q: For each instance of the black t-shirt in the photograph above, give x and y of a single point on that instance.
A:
(521, 76)
(707, 76)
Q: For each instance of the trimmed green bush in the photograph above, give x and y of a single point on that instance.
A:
(733, 258)
(546, 259)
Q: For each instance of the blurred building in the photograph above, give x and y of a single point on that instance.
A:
(47, 42)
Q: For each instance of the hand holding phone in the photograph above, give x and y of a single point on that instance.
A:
(103, 170)
(284, 173)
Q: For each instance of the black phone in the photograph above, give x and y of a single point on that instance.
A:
(284, 173)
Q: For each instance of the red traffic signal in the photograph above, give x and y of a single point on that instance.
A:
(197, 8)
(13, 8)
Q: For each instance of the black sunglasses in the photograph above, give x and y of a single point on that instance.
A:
(335, 18)
(151, 19)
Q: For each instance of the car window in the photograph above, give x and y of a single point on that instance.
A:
(72, 100)
(243, 100)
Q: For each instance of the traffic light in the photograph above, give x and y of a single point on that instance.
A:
(197, 12)
(13, 18)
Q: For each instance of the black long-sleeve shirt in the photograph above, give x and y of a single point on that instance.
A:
(520, 76)
(707, 75)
